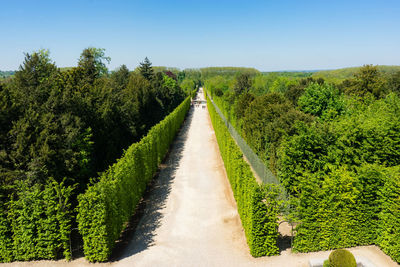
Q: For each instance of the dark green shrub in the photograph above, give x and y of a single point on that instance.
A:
(107, 205)
(342, 258)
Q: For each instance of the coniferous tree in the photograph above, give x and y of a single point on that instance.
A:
(92, 62)
(121, 77)
(146, 69)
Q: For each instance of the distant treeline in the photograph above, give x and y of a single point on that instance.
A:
(339, 75)
(6, 74)
(294, 74)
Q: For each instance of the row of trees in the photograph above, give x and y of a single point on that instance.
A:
(59, 129)
(334, 147)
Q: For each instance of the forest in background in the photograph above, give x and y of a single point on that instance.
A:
(338, 75)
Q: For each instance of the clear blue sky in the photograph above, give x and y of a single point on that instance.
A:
(268, 35)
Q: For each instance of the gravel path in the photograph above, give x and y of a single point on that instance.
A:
(190, 216)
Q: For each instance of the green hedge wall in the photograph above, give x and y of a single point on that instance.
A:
(108, 204)
(388, 231)
(36, 223)
(258, 206)
(348, 208)
(6, 247)
(333, 213)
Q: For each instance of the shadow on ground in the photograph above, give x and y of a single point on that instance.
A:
(284, 242)
(140, 231)
(285, 237)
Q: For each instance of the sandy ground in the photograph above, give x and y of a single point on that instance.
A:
(190, 217)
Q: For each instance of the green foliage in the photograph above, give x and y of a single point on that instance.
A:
(169, 82)
(295, 91)
(43, 136)
(347, 73)
(262, 83)
(342, 175)
(217, 85)
(258, 206)
(68, 125)
(6, 74)
(324, 101)
(281, 85)
(291, 74)
(267, 119)
(63, 124)
(242, 84)
(305, 151)
(193, 74)
(326, 263)
(38, 223)
(227, 72)
(92, 61)
(367, 82)
(146, 70)
(336, 167)
(165, 69)
(188, 85)
(169, 94)
(6, 245)
(342, 258)
(336, 210)
(371, 135)
(388, 234)
(279, 82)
(368, 134)
(108, 204)
(121, 77)
(242, 104)
(394, 82)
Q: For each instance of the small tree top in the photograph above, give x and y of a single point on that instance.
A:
(146, 69)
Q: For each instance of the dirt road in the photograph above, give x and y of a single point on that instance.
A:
(190, 218)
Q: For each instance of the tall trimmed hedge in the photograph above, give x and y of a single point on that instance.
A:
(388, 231)
(6, 246)
(36, 223)
(334, 210)
(257, 205)
(108, 204)
(349, 208)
